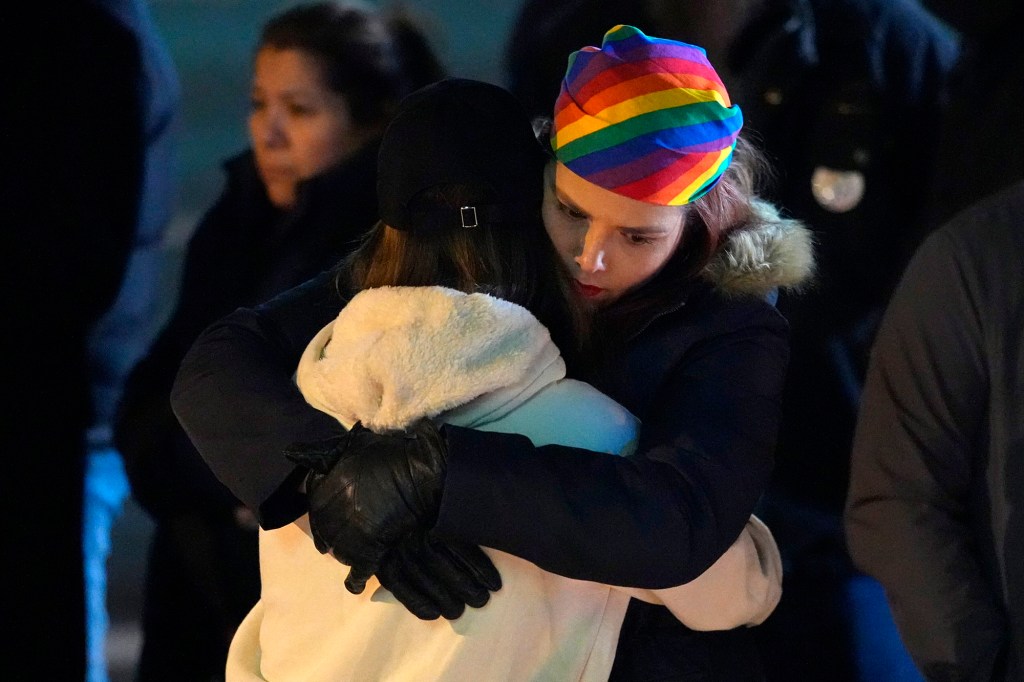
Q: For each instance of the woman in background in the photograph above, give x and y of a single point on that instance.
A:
(327, 77)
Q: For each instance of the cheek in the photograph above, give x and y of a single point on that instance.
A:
(258, 130)
(559, 234)
(321, 143)
(317, 149)
(644, 265)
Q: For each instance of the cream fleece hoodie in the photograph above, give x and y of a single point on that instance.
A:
(396, 354)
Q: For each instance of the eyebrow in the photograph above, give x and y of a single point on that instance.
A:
(560, 195)
(640, 230)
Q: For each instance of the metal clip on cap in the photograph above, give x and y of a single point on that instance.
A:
(468, 216)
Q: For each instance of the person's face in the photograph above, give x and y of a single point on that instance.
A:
(610, 243)
(298, 126)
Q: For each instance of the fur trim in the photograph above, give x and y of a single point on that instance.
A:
(773, 252)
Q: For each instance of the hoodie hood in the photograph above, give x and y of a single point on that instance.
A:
(395, 354)
(772, 253)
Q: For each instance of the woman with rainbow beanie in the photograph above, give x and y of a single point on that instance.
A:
(649, 201)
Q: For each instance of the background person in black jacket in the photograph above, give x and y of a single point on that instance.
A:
(75, 146)
(326, 78)
(957, 607)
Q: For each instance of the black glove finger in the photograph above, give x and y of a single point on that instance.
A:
(420, 566)
(475, 563)
(392, 577)
(320, 541)
(358, 574)
(449, 571)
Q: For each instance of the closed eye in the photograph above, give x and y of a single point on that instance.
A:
(571, 211)
(638, 238)
(300, 110)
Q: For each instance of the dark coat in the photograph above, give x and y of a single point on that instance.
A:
(704, 377)
(203, 571)
(75, 149)
(846, 98)
(855, 87)
(244, 251)
(937, 480)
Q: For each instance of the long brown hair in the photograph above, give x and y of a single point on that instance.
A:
(509, 257)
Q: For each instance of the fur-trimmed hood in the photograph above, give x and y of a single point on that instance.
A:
(774, 252)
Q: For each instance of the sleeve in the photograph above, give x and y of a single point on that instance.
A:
(160, 463)
(253, 352)
(656, 519)
(741, 588)
(908, 510)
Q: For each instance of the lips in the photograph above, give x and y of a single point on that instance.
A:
(587, 290)
(276, 173)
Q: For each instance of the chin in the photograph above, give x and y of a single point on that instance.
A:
(283, 199)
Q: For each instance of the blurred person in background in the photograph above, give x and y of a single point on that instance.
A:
(950, 577)
(980, 133)
(846, 99)
(326, 79)
(127, 329)
(935, 485)
(76, 142)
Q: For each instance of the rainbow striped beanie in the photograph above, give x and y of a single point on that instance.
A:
(646, 118)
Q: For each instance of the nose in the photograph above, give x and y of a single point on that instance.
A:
(592, 253)
(271, 127)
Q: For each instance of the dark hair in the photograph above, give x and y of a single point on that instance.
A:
(514, 261)
(373, 59)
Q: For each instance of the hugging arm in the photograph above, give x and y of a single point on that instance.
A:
(741, 588)
(704, 457)
(235, 397)
(656, 519)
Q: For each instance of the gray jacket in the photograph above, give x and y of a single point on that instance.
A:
(937, 481)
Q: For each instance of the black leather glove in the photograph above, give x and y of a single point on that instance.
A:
(370, 492)
(432, 578)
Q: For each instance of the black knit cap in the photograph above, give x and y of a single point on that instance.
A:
(459, 131)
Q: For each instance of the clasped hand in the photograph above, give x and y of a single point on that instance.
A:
(373, 498)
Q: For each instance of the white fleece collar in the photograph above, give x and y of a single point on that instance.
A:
(395, 354)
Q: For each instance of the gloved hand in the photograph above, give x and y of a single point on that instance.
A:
(368, 492)
(432, 578)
